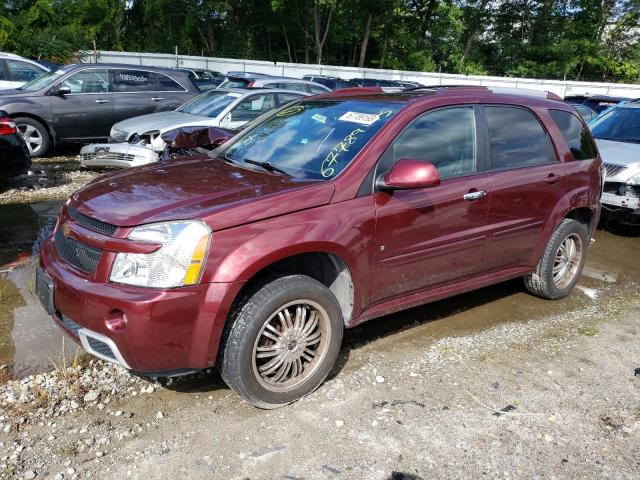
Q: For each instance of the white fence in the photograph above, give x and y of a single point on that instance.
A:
(298, 70)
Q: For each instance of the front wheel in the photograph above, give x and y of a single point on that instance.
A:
(282, 341)
(561, 264)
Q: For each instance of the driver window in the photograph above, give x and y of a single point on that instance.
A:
(88, 81)
(446, 138)
(253, 107)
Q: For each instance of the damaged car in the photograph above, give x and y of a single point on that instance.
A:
(617, 133)
(138, 141)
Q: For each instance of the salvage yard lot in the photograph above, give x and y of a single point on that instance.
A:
(490, 384)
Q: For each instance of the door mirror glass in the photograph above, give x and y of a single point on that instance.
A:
(409, 173)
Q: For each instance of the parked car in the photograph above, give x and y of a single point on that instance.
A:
(332, 83)
(617, 133)
(595, 102)
(205, 80)
(323, 214)
(376, 82)
(14, 155)
(80, 103)
(15, 70)
(138, 141)
(266, 81)
(585, 112)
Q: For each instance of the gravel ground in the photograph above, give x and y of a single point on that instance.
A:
(51, 178)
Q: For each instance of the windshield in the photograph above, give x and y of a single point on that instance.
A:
(620, 124)
(210, 104)
(313, 139)
(43, 81)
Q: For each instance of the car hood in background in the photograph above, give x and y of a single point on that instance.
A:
(223, 195)
(619, 153)
(163, 121)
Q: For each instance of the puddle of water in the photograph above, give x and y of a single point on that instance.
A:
(29, 340)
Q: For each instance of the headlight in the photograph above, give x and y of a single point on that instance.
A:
(635, 180)
(178, 262)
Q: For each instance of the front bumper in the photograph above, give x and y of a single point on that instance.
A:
(166, 330)
(116, 155)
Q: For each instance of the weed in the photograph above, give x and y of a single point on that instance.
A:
(588, 330)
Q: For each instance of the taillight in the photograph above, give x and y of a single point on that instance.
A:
(7, 126)
(250, 84)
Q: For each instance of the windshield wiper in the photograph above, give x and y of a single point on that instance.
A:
(266, 165)
(620, 139)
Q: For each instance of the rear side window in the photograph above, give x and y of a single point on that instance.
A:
(517, 139)
(23, 71)
(575, 134)
(133, 81)
(166, 84)
(314, 89)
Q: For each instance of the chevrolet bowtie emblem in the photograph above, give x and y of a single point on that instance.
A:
(66, 229)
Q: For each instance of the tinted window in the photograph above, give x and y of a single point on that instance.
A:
(166, 84)
(575, 134)
(446, 138)
(517, 138)
(314, 89)
(312, 139)
(23, 71)
(287, 97)
(133, 81)
(235, 83)
(298, 87)
(95, 80)
(253, 107)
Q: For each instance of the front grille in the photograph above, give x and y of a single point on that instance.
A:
(91, 223)
(125, 157)
(100, 347)
(69, 324)
(80, 256)
(612, 170)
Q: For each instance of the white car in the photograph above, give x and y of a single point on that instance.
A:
(617, 133)
(137, 141)
(15, 70)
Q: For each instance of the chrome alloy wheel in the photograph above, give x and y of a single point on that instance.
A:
(291, 345)
(32, 137)
(567, 260)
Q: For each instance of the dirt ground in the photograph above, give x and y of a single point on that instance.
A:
(490, 384)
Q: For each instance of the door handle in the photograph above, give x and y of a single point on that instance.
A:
(471, 196)
(156, 99)
(102, 101)
(552, 178)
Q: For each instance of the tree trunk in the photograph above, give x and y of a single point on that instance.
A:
(383, 56)
(269, 45)
(474, 30)
(365, 41)
(320, 37)
(286, 40)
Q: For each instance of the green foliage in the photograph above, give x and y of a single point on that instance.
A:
(576, 39)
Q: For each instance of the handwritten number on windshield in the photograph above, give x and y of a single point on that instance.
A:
(327, 168)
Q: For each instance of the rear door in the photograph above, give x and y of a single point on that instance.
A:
(527, 182)
(248, 109)
(433, 236)
(86, 112)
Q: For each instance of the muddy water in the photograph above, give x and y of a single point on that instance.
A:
(29, 342)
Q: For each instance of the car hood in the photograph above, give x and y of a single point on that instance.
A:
(163, 121)
(212, 190)
(619, 153)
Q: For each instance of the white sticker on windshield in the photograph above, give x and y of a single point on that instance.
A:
(319, 118)
(359, 117)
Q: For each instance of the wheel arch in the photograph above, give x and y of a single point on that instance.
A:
(37, 118)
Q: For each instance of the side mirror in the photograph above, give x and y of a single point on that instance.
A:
(409, 173)
(61, 91)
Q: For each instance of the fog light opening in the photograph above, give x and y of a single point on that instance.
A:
(116, 321)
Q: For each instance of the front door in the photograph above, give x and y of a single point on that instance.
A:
(86, 112)
(433, 236)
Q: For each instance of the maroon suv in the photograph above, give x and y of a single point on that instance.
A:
(328, 212)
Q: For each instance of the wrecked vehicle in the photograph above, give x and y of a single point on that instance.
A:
(138, 141)
(617, 133)
(322, 215)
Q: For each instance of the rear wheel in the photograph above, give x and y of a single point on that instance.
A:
(561, 264)
(282, 342)
(35, 135)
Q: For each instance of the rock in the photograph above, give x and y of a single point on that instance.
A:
(71, 471)
(159, 415)
(379, 379)
(118, 413)
(30, 474)
(339, 423)
(91, 396)
(99, 454)
(59, 476)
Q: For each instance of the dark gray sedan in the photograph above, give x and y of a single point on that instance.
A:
(80, 103)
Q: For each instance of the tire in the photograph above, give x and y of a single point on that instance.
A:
(549, 280)
(35, 135)
(269, 324)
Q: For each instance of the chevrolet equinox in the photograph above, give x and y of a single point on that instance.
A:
(327, 212)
